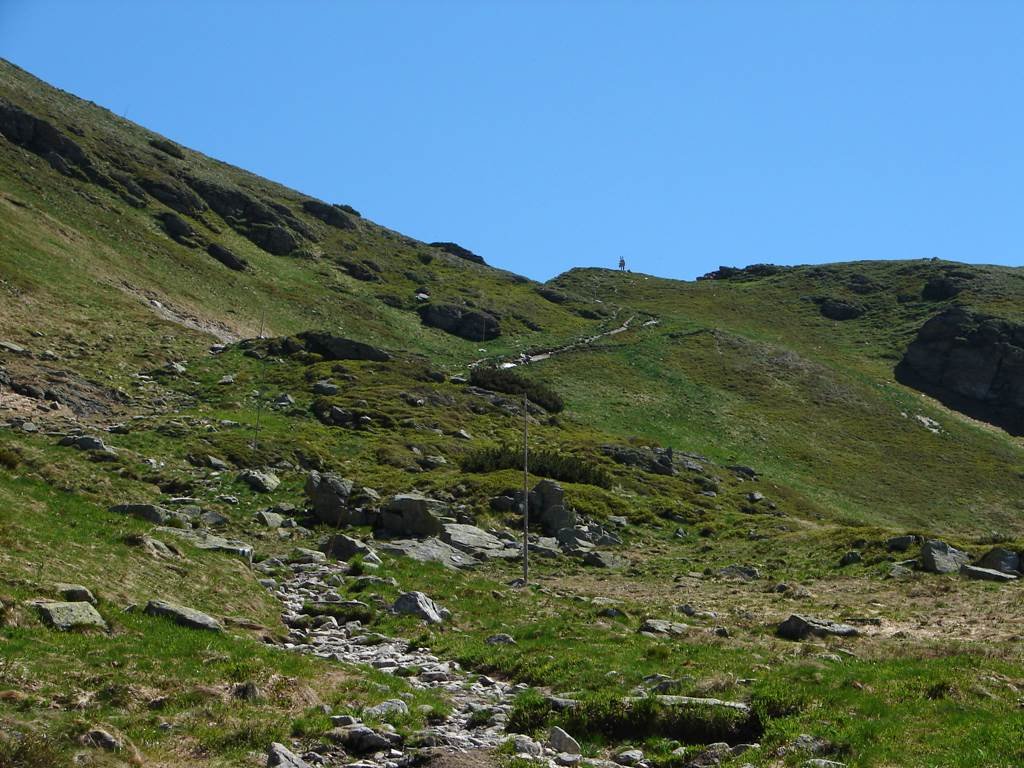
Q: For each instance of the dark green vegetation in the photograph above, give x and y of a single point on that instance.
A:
(124, 257)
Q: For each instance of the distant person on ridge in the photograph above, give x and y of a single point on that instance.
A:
(622, 264)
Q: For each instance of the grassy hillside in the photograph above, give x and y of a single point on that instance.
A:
(134, 276)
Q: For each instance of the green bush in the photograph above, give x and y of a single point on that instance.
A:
(29, 750)
(9, 458)
(511, 383)
(558, 466)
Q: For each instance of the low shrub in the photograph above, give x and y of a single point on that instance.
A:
(510, 383)
(558, 466)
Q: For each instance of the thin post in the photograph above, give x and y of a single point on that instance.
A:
(526, 493)
(259, 393)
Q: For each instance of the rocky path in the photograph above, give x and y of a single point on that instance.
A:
(544, 354)
(480, 705)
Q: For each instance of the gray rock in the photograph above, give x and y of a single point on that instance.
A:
(547, 504)
(1001, 559)
(361, 739)
(524, 745)
(103, 739)
(324, 387)
(560, 741)
(70, 615)
(939, 557)
(740, 572)
(385, 708)
(429, 551)
(628, 757)
(663, 627)
(798, 627)
(307, 556)
(418, 604)
(820, 762)
(345, 547)
(268, 519)
(500, 639)
(985, 574)
(472, 540)
(279, 756)
(900, 543)
(601, 560)
(696, 702)
(149, 512)
(186, 617)
(851, 557)
(411, 514)
(259, 480)
(75, 593)
(209, 541)
(329, 494)
(85, 443)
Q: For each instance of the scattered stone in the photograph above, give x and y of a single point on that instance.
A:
(500, 639)
(75, 593)
(268, 519)
(429, 551)
(900, 543)
(211, 542)
(103, 739)
(798, 627)
(385, 708)
(664, 627)
(361, 739)
(740, 572)
(601, 560)
(628, 757)
(279, 756)
(851, 557)
(259, 480)
(472, 540)
(560, 741)
(939, 557)
(524, 745)
(71, 615)
(344, 547)
(418, 604)
(985, 574)
(1001, 559)
(186, 617)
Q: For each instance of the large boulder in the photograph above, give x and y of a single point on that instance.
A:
(798, 627)
(985, 574)
(547, 505)
(226, 257)
(179, 614)
(71, 615)
(939, 557)
(430, 550)
(970, 362)
(418, 604)
(333, 215)
(466, 323)
(345, 547)
(334, 347)
(411, 514)
(328, 496)
(1002, 560)
(473, 540)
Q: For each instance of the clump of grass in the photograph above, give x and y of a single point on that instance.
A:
(9, 458)
(29, 750)
(559, 466)
(504, 380)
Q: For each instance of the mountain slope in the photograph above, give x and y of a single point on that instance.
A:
(731, 450)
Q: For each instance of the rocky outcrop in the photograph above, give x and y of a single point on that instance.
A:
(798, 627)
(328, 496)
(466, 323)
(457, 250)
(332, 215)
(323, 343)
(179, 230)
(837, 309)
(547, 505)
(268, 226)
(939, 557)
(226, 257)
(71, 615)
(410, 514)
(972, 363)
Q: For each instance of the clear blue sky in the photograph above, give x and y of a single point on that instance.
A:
(681, 135)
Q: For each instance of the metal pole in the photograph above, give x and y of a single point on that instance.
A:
(259, 393)
(526, 493)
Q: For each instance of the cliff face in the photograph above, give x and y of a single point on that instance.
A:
(970, 362)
